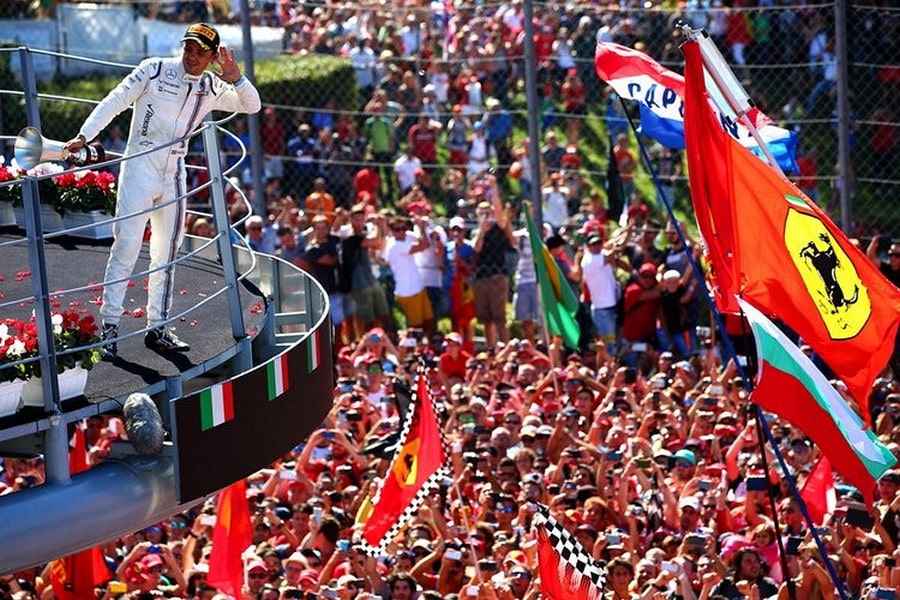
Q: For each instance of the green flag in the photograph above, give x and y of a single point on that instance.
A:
(557, 298)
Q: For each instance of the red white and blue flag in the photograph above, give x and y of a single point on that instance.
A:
(660, 95)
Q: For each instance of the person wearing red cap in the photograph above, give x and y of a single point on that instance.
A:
(143, 569)
(169, 98)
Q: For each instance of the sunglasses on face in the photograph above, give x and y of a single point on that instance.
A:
(257, 575)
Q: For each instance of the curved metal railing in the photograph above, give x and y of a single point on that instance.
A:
(222, 230)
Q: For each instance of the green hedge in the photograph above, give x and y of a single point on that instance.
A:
(300, 81)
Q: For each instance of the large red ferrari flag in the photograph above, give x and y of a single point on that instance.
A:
(417, 466)
(776, 249)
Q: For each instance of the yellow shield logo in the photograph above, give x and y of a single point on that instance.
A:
(828, 274)
(406, 465)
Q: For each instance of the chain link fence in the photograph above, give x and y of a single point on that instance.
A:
(439, 102)
(433, 72)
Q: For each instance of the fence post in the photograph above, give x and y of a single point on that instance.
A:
(843, 109)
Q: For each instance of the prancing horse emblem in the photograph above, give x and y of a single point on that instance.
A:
(826, 263)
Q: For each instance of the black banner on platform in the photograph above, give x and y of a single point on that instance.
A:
(234, 428)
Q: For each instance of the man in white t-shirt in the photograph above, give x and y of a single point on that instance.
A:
(430, 262)
(363, 59)
(598, 268)
(405, 168)
(409, 291)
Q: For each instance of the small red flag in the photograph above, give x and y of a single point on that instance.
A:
(78, 456)
(568, 571)
(75, 577)
(415, 468)
(818, 491)
(232, 534)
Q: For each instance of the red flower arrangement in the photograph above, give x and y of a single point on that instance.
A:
(11, 193)
(86, 191)
(19, 341)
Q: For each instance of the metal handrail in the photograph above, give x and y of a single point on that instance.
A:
(29, 182)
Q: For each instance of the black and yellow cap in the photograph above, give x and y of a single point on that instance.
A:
(203, 34)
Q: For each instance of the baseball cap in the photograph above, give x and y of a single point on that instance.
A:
(457, 222)
(150, 560)
(685, 454)
(308, 576)
(454, 337)
(256, 565)
(203, 34)
(689, 502)
(891, 476)
(648, 268)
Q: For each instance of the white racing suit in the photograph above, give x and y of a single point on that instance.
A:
(168, 104)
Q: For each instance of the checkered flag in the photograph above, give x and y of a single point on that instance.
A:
(416, 469)
(568, 571)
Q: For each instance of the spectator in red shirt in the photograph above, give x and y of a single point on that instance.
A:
(422, 139)
(452, 362)
(271, 132)
(368, 182)
(641, 302)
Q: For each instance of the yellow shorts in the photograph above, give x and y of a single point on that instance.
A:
(417, 308)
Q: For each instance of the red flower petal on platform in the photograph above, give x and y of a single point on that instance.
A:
(182, 292)
(131, 284)
(138, 313)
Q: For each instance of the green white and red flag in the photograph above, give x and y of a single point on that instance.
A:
(789, 385)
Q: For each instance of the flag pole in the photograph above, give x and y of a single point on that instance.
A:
(468, 523)
(714, 65)
(729, 87)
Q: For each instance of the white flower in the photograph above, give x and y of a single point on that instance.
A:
(16, 349)
(57, 320)
(4, 333)
(46, 168)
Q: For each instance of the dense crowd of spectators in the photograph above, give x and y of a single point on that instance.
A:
(657, 471)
